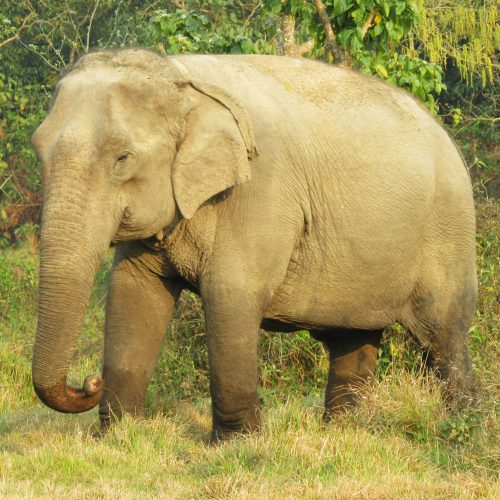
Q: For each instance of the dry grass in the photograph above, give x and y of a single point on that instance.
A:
(295, 456)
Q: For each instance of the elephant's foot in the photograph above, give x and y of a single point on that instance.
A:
(460, 388)
(340, 400)
(107, 422)
(107, 418)
(111, 410)
(227, 425)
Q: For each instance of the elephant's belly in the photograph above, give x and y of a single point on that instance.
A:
(353, 278)
(340, 298)
(318, 313)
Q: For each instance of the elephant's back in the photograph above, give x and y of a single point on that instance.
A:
(289, 80)
(295, 100)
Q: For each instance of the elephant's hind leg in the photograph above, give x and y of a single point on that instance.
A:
(353, 356)
(439, 319)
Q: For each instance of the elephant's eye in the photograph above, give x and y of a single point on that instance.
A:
(124, 166)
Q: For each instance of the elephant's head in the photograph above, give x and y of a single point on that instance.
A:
(130, 145)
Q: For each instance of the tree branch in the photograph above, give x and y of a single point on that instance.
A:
(87, 46)
(290, 48)
(368, 23)
(331, 45)
(289, 36)
(254, 10)
(321, 10)
(23, 26)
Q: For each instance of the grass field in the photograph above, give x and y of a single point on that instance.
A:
(400, 443)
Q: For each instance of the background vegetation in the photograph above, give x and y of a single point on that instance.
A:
(401, 441)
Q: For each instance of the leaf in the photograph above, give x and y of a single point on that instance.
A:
(377, 29)
(389, 26)
(400, 7)
(274, 6)
(168, 25)
(341, 6)
(345, 36)
(405, 24)
(381, 71)
(358, 16)
(247, 46)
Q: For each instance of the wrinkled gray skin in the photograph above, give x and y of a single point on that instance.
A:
(288, 193)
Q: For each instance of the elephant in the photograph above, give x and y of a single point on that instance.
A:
(288, 193)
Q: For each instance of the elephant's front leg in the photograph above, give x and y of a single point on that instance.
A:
(139, 306)
(233, 319)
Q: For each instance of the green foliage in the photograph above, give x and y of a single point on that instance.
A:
(288, 361)
(421, 78)
(182, 31)
(18, 281)
(398, 352)
(472, 114)
(459, 429)
(182, 371)
(369, 31)
(373, 24)
(464, 33)
(406, 43)
(49, 39)
(293, 362)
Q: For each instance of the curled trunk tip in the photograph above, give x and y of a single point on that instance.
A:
(65, 399)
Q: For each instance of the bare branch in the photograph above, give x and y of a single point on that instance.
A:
(70, 17)
(56, 51)
(115, 25)
(87, 46)
(150, 7)
(23, 26)
(254, 10)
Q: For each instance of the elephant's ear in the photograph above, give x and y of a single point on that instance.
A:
(216, 148)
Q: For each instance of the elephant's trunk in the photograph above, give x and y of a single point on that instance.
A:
(63, 298)
(70, 255)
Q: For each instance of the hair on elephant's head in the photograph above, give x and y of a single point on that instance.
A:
(130, 141)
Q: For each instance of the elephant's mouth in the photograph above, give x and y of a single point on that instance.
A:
(131, 229)
(128, 228)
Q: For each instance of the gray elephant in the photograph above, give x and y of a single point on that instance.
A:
(290, 194)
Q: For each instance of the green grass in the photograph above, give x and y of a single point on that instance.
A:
(400, 443)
